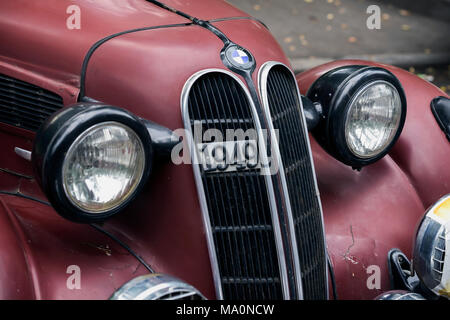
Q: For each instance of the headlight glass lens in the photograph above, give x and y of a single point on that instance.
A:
(373, 119)
(103, 167)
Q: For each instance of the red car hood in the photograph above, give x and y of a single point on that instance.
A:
(40, 35)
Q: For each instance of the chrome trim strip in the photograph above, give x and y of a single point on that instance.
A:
(262, 79)
(25, 154)
(313, 169)
(201, 193)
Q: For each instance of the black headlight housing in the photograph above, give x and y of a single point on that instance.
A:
(57, 135)
(335, 91)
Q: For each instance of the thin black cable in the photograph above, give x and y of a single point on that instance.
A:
(239, 18)
(96, 45)
(166, 7)
(96, 227)
(332, 278)
(124, 245)
(17, 194)
(195, 20)
(17, 174)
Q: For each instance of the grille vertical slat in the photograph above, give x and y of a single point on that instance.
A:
(238, 204)
(25, 105)
(284, 106)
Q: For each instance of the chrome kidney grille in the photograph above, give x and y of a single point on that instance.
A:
(284, 105)
(238, 205)
(261, 246)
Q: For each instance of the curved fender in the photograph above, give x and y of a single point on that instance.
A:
(369, 212)
(15, 278)
(43, 256)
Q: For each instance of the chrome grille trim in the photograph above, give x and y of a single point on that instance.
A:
(263, 82)
(201, 193)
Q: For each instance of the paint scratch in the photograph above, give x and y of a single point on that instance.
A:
(347, 255)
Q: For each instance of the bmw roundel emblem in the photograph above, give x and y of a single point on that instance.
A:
(238, 57)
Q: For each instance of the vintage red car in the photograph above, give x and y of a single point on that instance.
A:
(119, 179)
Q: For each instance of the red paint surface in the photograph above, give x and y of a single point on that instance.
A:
(38, 246)
(144, 72)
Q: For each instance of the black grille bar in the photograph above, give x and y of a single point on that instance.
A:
(238, 205)
(25, 105)
(284, 106)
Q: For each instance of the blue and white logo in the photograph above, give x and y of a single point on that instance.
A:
(237, 58)
(240, 56)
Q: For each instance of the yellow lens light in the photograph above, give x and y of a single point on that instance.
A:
(443, 209)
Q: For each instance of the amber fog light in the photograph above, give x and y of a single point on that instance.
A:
(431, 258)
(364, 110)
(92, 160)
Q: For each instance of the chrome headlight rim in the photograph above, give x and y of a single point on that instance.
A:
(156, 286)
(351, 104)
(58, 134)
(335, 91)
(75, 144)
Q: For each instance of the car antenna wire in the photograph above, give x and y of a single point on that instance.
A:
(166, 7)
(196, 21)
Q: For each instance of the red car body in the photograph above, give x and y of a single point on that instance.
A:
(366, 213)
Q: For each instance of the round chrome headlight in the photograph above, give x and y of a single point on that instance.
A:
(103, 166)
(373, 119)
(399, 295)
(92, 160)
(157, 287)
(364, 110)
(431, 256)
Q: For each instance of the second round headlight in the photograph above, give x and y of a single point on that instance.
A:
(364, 110)
(373, 119)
